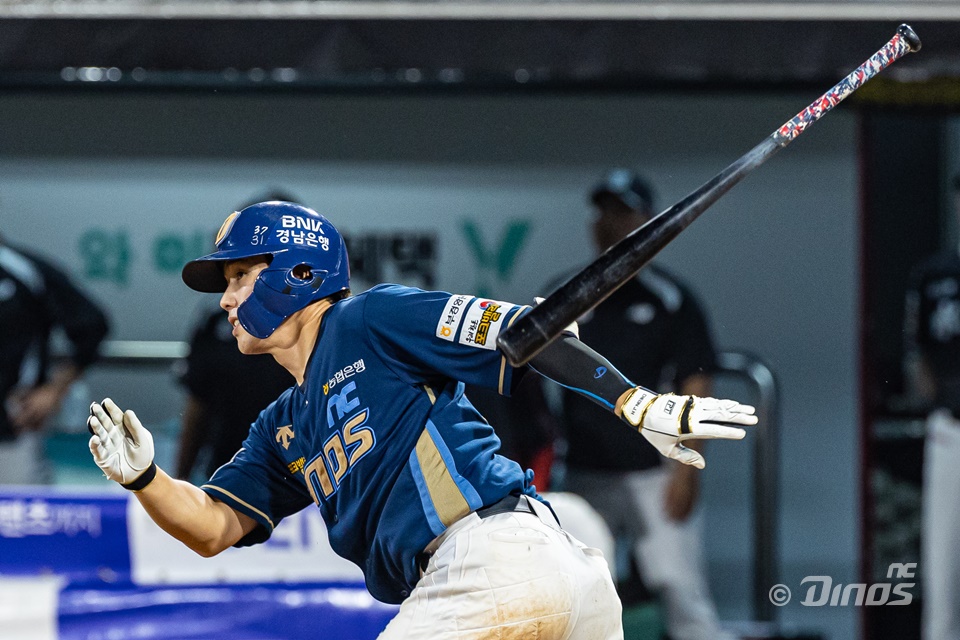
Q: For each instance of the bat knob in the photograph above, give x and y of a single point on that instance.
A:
(910, 36)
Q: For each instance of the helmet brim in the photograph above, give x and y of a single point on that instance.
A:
(205, 274)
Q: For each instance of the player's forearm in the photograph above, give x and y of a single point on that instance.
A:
(64, 376)
(572, 364)
(190, 515)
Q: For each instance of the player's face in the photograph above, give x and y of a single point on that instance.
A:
(610, 227)
(241, 275)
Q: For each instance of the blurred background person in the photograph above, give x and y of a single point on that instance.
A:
(660, 336)
(932, 328)
(37, 299)
(226, 390)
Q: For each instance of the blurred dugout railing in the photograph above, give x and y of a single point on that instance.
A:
(142, 353)
(473, 9)
(738, 366)
(765, 478)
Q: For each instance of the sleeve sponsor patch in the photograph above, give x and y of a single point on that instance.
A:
(452, 316)
(482, 323)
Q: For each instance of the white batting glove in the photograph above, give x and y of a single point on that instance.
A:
(667, 420)
(121, 446)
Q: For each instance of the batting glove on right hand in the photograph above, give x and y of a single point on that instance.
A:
(121, 446)
(667, 420)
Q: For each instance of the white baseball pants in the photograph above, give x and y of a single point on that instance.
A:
(510, 576)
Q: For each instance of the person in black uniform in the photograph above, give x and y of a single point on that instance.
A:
(221, 401)
(661, 336)
(35, 298)
(932, 332)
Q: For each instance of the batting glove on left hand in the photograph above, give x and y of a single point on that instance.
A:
(121, 446)
(667, 420)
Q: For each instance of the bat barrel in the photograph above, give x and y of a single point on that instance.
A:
(532, 332)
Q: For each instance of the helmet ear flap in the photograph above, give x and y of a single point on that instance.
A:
(300, 279)
(279, 293)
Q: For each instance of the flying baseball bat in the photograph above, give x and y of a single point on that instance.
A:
(591, 286)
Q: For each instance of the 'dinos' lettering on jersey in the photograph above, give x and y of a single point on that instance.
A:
(341, 452)
(351, 439)
(482, 324)
(451, 317)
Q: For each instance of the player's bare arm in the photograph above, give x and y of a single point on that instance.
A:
(665, 420)
(124, 450)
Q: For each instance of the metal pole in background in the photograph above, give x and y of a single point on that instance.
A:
(765, 476)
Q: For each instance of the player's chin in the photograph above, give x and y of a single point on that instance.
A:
(249, 346)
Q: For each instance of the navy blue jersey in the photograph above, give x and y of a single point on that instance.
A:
(380, 436)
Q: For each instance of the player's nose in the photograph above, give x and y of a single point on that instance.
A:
(228, 300)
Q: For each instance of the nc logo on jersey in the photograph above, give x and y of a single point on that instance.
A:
(351, 440)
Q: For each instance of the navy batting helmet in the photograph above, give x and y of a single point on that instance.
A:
(297, 239)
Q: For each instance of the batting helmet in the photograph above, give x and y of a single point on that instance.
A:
(308, 262)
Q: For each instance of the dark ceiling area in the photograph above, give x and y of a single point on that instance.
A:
(343, 54)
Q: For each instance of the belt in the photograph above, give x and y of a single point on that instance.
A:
(508, 504)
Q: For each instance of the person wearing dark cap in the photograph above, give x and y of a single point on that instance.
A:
(660, 332)
(37, 298)
(932, 369)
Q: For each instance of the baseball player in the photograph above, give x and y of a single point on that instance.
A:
(378, 435)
